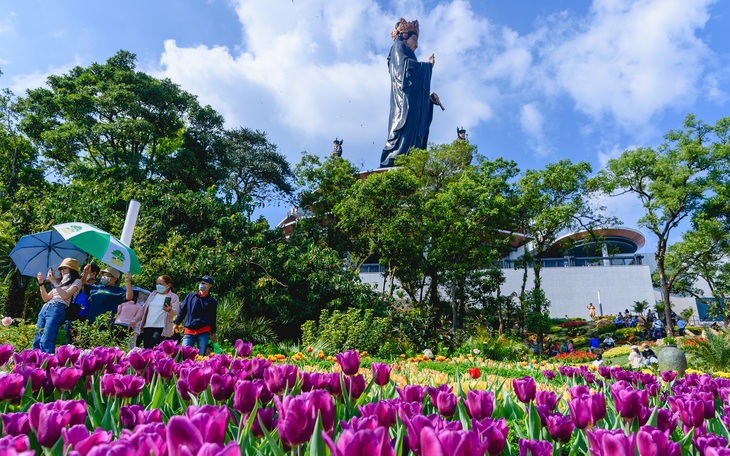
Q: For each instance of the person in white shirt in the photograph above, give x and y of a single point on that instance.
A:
(53, 312)
(160, 308)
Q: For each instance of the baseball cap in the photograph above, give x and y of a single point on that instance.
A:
(207, 279)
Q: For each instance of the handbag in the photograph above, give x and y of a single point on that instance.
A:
(76, 307)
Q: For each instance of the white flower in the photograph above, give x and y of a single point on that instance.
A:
(476, 351)
(6, 321)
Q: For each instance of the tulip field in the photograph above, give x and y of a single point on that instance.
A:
(169, 401)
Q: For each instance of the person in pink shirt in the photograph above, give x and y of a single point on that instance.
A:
(126, 313)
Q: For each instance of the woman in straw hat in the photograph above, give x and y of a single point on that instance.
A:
(53, 312)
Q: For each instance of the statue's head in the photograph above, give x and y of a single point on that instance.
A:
(405, 29)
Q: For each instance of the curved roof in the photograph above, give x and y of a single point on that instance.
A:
(619, 240)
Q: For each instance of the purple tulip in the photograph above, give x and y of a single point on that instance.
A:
(548, 374)
(221, 386)
(79, 439)
(580, 411)
(358, 423)
(611, 443)
(89, 364)
(629, 402)
(122, 386)
(653, 442)
(717, 452)
(6, 351)
(547, 398)
(15, 423)
(211, 421)
(15, 445)
(132, 415)
(525, 388)
(446, 403)
(280, 377)
(411, 393)
(381, 373)
(295, 424)
(198, 378)
(139, 359)
(451, 443)
(65, 378)
(334, 384)
(535, 447)
(384, 411)
(349, 361)
(183, 436)
(407, 410)
(243, 349)
(67, 354)
(560, 427)
(666, 420)
(493, 432)
(264, 418)
(182, 389)
(480, 404)
(579, 390)
(691, 412)
(245, 395)
(703, 443)
(668, 376)
(365, 442)
(164, 368)
(11, 386)
(354, 386)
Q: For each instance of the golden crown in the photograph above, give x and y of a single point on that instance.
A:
(403, 27)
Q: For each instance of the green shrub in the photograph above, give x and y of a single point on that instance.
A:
(87, 335)
(580, 342)
(232, 325)
(606, 329)
(20, 333)
(617, 351)
(712, 352)
(625, 333)
(352, 330)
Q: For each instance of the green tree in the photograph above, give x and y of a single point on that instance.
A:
(551, 202)
(670, 182)
(256, 170)
(109, 120)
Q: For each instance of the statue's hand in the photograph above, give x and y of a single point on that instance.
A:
(432, 59)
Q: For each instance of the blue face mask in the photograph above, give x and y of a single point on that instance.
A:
(161, 288)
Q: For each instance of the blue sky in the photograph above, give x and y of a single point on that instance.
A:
(533, 81)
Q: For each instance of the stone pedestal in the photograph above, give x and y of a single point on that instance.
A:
(672, 358)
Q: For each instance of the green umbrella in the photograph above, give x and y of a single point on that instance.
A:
(101, 245)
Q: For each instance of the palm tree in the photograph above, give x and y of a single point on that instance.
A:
(640, 306)
(712, 352)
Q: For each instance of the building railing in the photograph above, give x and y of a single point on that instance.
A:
(573, 262)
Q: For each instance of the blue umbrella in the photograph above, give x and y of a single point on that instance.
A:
(40, 252)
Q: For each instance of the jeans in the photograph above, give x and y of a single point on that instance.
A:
(189, 340)
(50, 319)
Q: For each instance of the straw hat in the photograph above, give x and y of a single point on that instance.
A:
(70, 263)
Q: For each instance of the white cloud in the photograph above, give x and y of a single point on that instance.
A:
(315, 71)
(632, 59)
(532, 122)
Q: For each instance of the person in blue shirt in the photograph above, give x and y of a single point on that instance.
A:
(681, 324)
(106, 296)
(198, 313)
(593, 344)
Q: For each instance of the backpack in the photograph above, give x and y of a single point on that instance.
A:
(77, 308)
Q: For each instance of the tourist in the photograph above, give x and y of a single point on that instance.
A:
(160, 309)
(648, 355)
(635, 358)
(657, 327)
(198, 312)
(106, 296)
(681, 324)
(592, 311)
(53, 312)
(598, 361)
(126, 314)
(570, 346)
(83, 301)
(594, 344)
(608, 342)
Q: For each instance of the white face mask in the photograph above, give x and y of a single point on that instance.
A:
(66, 277)
(202, 287)
(161, 288)
(106, 280)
